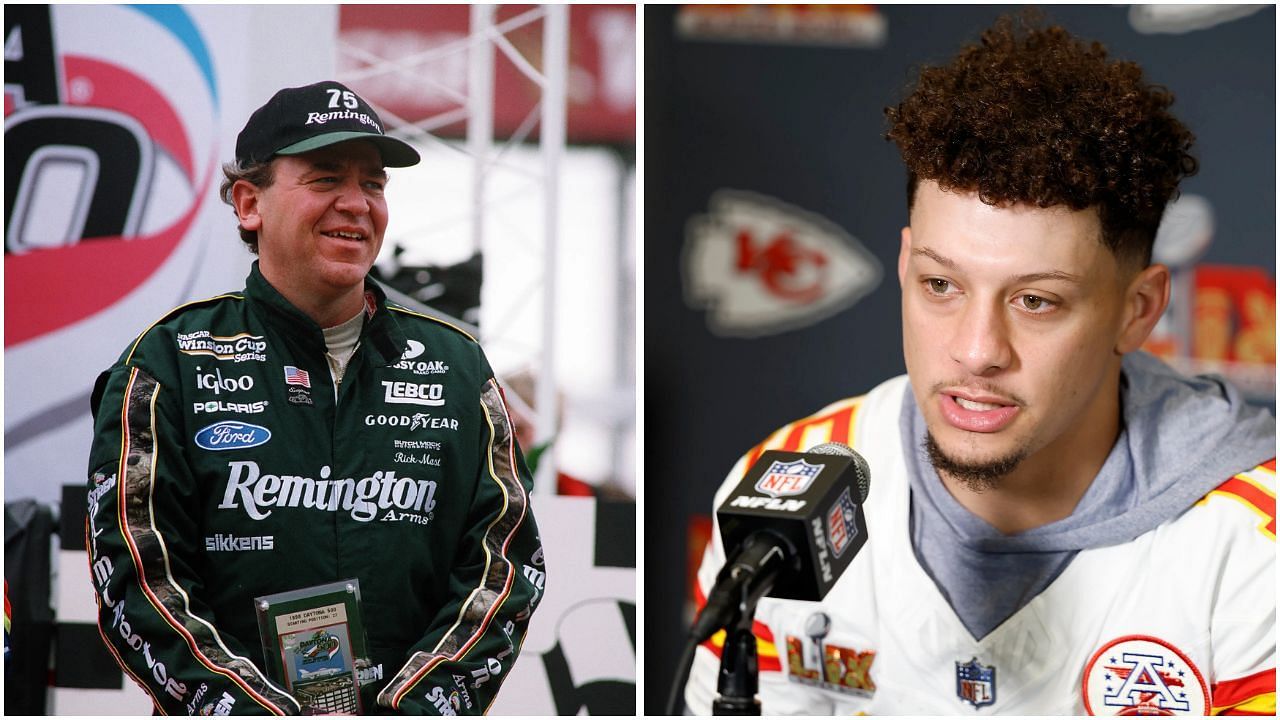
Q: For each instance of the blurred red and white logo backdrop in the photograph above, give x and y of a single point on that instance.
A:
(117, 119)
(108, 155)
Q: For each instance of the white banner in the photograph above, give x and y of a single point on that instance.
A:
(117, 120)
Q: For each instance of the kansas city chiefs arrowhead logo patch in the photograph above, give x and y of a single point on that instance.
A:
(760, 266)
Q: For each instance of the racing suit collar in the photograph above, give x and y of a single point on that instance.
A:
(381, 335)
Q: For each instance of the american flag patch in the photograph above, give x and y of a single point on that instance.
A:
(294, 376)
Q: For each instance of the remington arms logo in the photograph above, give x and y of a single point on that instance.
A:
(315, 118)
(260, 493)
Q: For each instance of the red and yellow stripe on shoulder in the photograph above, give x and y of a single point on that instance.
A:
(1251, 695)
(766, 647)
(834, 423)
(1256, 490)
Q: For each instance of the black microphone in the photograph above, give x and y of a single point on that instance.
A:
(790, 527)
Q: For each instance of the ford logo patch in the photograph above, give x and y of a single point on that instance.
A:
(228, 435)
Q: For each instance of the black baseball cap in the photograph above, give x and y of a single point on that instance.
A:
(299, 119)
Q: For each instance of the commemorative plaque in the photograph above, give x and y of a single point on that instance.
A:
(313, 640)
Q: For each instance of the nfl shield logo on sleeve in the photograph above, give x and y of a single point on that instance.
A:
(976, 683)
(787, 478)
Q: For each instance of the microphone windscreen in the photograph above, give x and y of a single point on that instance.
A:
(861, 467)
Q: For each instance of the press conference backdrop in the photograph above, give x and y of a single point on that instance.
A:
(116, 120)
(773, 207)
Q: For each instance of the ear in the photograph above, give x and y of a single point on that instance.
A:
(244, 198)
(1145, 300)
(904, 254)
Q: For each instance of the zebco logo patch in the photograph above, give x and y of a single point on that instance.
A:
(1143, 675)
(431, 394)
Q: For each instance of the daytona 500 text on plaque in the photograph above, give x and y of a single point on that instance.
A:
(313, 639)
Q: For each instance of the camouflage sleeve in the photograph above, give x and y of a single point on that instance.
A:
(142, 504)
(496, 582)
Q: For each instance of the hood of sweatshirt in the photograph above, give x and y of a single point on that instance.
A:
(1181, 437)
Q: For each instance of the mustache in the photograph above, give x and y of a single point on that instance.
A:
(979, 384)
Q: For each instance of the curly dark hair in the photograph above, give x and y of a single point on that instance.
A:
(1035, 115)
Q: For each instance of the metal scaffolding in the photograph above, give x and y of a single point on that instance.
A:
(486, 38)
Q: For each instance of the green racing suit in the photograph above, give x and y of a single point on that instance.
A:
(225, 467)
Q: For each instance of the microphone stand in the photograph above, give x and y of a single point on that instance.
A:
(739, 678)
(731, 606)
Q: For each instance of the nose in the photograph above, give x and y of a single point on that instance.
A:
(351, 199)
(981, 343)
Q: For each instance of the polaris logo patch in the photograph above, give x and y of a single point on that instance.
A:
(214, 406)
(229, 435)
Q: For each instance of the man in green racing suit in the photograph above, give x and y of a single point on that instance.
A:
(306, 431)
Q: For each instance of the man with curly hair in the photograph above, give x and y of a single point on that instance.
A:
(1059, 523)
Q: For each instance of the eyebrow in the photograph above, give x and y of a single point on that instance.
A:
(335, 166)
(1029, 277)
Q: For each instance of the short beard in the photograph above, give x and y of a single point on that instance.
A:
(977, 477)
